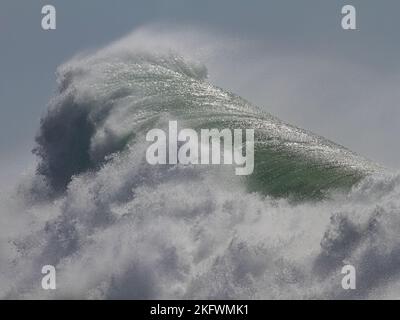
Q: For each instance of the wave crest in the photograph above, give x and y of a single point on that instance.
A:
(118, 228)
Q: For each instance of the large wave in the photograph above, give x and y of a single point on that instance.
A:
(116, 227)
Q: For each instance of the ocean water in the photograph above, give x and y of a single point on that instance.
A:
(116, 227)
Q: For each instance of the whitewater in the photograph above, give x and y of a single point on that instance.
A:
(116, 227)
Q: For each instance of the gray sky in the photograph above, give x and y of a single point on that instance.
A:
(297, 63)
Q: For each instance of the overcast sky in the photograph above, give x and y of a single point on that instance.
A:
(295, 61)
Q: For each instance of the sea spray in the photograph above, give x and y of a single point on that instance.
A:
(114, 226)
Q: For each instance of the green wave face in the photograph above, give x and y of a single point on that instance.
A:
(109, 101)
(293, 163)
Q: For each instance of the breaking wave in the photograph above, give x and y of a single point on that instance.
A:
(115, 227)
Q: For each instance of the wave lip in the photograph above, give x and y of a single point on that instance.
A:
(107, 100)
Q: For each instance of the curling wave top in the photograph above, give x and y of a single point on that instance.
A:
(107, 101)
